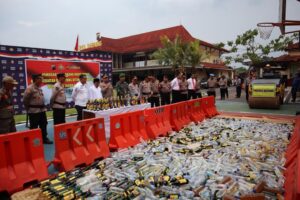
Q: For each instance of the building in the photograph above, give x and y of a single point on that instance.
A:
(132, 54)
(291, 60)
(286, 65)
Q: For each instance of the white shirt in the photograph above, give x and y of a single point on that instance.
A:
(191, 83)
(175, 84)
(95, 93)
(80, 94)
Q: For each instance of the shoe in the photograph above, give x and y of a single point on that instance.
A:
(47, 141)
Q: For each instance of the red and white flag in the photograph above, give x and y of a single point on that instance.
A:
(77, 44)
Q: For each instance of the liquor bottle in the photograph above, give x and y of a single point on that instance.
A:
(88, 106)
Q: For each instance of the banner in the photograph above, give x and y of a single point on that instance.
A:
(21, 62)
(50, 68)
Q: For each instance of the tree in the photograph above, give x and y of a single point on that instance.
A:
(172, 53)
(245, 47)
(179, 54)
(194, 54)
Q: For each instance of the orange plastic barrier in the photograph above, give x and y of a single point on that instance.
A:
(180, 115)
(126, 129)
(209, 106)
(292, 164)
(138, 124)
(21, 160)
(292, 180)
(158, 121)
(294, 146)
(79, 143)
(196, 111)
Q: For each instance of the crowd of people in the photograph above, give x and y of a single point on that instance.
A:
(156, 92)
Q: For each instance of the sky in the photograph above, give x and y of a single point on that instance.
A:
(55, 24)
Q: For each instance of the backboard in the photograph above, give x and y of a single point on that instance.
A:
(282, 15)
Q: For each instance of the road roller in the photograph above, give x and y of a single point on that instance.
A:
(267, 92)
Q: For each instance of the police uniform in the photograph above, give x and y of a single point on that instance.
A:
(165, 91)
(58, 103)
(134, 90)
(223, 86)
(183, 90)
(198, 89)
(34, 103)
(211, 82)
(145, 89)
(154, 99)
(106, 89)
(6, 108)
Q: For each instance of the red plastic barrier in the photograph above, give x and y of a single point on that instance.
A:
(209, 106)
(294, 146)
(196, 111)
(179, 115)
(158, 121)
(292, 164)
(126, 129)
(292, 180)
(79, 143)
(138, 124)
(21, 160)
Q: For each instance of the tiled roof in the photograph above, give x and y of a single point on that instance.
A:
(146, 41)
(287, 57)
(293, 46)
(215, 66)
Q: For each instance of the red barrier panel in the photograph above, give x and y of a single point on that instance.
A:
(209, 106)
(179, 115)
(294, 145)
(158, 121)
(292, 164)
(196, 111)
(138, 124)
(126, 129)
(21, 160)
(79, 143)
(120, 135)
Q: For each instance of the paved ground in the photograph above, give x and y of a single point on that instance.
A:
(231, 104)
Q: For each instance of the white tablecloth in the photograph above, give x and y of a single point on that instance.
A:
(107, 113)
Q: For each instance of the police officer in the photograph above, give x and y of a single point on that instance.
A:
(7, 120)
(165, 90)
(58, 100)
(212, 84)
(122, 87)
(106, 87)
(145, 88)
(35, 106)
(154, 85)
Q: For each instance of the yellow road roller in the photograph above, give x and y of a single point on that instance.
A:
(266, 93)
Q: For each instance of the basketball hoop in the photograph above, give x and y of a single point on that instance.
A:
(265, 30)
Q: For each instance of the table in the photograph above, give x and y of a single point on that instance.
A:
(87, 114)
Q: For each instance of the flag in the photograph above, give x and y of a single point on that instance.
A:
(77, 43)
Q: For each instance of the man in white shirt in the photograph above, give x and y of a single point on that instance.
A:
(80, 95)
(95, 90)
(192, 87)
(175, 88)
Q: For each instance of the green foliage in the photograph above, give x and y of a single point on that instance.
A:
(240, 70)
(194, 54)
(178, 54)
(245, 47)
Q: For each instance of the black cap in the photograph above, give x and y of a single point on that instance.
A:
(61, 75)
(96, 80)
(35, 76)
